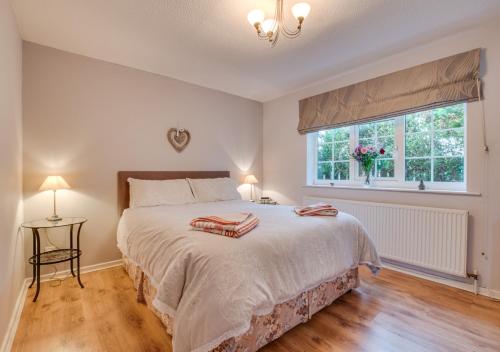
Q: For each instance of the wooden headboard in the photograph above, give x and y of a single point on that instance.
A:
(123, 186)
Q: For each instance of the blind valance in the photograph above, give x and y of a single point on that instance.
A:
(442, 82)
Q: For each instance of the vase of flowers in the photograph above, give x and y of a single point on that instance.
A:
(366, 156)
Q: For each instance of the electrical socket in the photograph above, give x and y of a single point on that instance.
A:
(50, 248)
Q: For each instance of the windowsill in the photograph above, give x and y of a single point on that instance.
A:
(389, 189)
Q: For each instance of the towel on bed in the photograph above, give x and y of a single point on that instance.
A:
(231, 225)
(319, 209)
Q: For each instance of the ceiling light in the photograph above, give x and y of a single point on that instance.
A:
(270, 29)
(268, 26)
(255, 17)
(301, 10)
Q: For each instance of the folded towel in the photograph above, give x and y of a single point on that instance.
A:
(231, 225)
(319, 209)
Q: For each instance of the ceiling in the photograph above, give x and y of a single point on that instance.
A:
(210, 43)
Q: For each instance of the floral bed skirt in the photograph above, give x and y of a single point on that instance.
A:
(263, 328)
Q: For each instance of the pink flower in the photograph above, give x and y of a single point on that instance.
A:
(382, 151)
(364, 150)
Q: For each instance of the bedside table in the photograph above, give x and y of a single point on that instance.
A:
(58, 255)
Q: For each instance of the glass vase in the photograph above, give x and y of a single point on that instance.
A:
(368, 182)
(367, 169)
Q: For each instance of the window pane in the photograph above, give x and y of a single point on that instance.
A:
(333, 145)
(325, 137)
(341, 134)
(449, 143)
(449, 117)
(324, 152)
(324, 171)
(341, 151)
(419, 122)
(418, 169)
(436, 139)
(449, 169)
(341, 171)
(385, 168)
(418, 145)
(388, 144)
(366, 141)
(367, 130)
(385, 128)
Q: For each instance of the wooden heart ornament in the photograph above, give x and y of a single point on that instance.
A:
(178, 138)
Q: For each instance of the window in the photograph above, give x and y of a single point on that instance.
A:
(381, 135)
(428, 146)
(434, 145)
(333, 154)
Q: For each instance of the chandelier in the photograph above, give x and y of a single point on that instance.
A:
(270, 29)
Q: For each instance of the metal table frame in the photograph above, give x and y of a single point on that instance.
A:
(74, 253)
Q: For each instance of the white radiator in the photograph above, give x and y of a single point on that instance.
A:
(430, 238)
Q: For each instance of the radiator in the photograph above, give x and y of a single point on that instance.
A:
(430, 238)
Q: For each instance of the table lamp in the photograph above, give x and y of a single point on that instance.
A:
(53, 183)
(251, 180)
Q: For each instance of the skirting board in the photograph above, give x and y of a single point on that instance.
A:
(495, 294)
(8, 339)
(21, 298)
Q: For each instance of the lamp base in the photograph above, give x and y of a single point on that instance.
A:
(54, 218)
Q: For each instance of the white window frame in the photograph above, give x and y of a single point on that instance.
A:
(398, 181)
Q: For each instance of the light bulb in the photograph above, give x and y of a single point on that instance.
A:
(268, 25)
(301, 10)
(255, 16)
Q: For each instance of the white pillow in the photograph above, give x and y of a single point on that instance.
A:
(214, 189)
(148, 193)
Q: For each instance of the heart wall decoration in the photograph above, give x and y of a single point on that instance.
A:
(178, 138)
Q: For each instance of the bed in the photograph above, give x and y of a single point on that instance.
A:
(215, 293)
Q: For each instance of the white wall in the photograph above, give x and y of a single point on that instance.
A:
(285, 150)
(86, 119)
(11, 241)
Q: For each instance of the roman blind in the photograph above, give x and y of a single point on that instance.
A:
(442, 82)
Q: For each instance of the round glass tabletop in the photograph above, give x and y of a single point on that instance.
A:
(44, 223)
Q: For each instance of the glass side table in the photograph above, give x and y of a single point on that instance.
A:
(58, 255)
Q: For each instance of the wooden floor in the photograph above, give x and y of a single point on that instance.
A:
(391, 312)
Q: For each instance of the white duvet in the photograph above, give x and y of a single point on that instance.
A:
(212, 285)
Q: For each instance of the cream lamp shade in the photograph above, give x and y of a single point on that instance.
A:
(251, 180)
(53, 183)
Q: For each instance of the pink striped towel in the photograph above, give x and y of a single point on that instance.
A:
(231, 225)
(319, 209)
